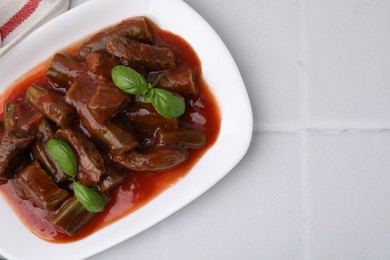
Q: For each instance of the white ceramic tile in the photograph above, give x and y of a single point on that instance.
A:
(263, 37)
(253, 213)
(348, 62)
(349, 195)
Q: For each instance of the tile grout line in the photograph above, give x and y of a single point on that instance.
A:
(305, 195)
(324, 130)
(303, 86)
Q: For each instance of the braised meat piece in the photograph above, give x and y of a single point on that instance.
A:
(117, 137)
(22, 115)
(45, 132)
(40, 187)
(107, 101)
(12, 142)
(101, 63)
(135, 28)
(91, 164)
(151, 56)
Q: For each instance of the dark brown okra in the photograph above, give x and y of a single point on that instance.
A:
(155, 160)
(181, 82)
(71, 216)
(63, 70)
(145, 120)
(187, 138)
(51, 104)
(40, 153)
(112, 179)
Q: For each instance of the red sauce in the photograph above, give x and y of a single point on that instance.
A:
(139, 188)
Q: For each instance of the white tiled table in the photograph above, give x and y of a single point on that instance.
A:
(315, 183)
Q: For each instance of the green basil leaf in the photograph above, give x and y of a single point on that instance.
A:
(61, 152)
(91, 200)
(167, 104)
(128, 80)
(148, 95)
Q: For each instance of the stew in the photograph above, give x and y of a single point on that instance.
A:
(79, 150)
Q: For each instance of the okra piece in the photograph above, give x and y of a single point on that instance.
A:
(155, 160)
(181, 82)
(71, 216)
(133, 28)
(51, 104)
(10, 116)
(112, 133)
(151, 56)
(107, 101)
(40, 154)
(113, 178)
(40, 187)
(63, 70)
(186, 138)
(145, 120)
(2, 129)
(91, 164)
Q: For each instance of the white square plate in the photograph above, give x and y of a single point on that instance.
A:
(219, 71)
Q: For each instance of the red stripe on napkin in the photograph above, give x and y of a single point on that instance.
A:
(19, 18)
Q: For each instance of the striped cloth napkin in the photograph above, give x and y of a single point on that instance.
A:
(20, 17)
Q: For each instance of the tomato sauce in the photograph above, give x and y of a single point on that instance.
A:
(138, 188)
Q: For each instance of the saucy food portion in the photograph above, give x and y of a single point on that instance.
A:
(106, 125)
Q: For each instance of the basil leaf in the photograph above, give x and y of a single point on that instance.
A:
(128, 80)
(91, 200)
(167, 104)
(148, 95)
(61, 152)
